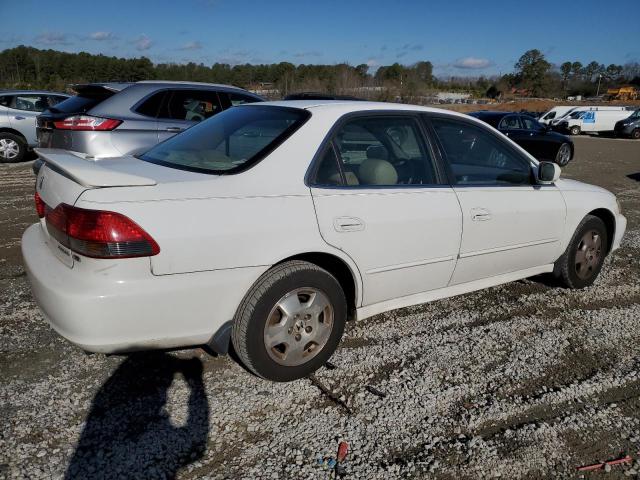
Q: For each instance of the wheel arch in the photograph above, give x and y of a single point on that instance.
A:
(609, 220)
(13, 132)
(347, 275)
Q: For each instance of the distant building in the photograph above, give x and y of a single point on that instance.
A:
(451, 96)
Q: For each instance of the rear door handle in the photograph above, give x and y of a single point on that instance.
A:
(480, 214)
(174, 129)
(18, 117)
(348, 224)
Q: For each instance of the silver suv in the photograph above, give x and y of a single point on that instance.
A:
(115, 119)
(18, 111)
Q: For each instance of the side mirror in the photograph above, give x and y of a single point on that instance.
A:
(548, 173)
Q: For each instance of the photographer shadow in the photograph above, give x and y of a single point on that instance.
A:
(128, 432)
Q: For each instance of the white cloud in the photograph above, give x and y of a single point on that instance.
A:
(195, 45)
(53, 38)
(100, 36)
(472, 63)
(143, 43)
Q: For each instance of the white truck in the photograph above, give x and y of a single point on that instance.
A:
(596, 120)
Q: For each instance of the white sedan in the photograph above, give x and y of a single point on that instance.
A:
(271, 224)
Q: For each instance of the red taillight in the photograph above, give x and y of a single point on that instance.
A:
(40, 205)
(86, 122)
(99, 234)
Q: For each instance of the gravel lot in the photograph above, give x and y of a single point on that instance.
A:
(520, 381)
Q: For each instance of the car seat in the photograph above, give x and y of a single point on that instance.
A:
(376, 169)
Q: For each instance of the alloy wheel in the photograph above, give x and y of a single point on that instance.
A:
(564, 154)
(588, 254)
(298, 326)
(9, 149)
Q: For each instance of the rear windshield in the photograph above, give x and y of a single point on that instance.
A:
(230, 141)
(81, 103)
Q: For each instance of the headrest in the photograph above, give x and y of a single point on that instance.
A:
(375, 171)
(377, 151)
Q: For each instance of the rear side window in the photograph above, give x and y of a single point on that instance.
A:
(151, 105)
(377, 151)
(510, 122)
(81, 103)
(5, 100)
(478, 157)
(190, 105)
(229, 142)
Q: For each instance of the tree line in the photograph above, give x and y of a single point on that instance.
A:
(31, 68)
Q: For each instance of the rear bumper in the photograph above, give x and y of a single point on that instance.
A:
(122, 307)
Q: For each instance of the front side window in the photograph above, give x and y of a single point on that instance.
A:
(230, 141)
(478, 157)
(191, 105)
(30, 103)
(510, 122)
(381, 151)
(5, 100)
(530, 124)
(239, 99)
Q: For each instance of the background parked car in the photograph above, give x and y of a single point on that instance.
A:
(114, 119)
(18, 111)
(535, 138)
(629, 127)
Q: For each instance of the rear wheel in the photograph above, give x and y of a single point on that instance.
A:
(575, 130)
(12, 148)
(636, 134)
(564, 154)
(290, 322)
(581, 263)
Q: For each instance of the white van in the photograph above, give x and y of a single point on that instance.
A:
(555, 112)
(593, 121)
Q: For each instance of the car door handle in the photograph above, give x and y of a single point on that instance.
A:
(506, 133)
(480, 214)
(348, 224)
(174, 129)
(18, 117)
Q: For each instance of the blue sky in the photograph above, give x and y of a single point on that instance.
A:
(459, 37)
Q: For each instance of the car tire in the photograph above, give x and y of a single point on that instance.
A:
(575, 130)
(290, 322)
(563, 155)
(12, 148)
(635, 134)
(582, 261)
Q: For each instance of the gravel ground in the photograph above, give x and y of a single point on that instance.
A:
(524, 380)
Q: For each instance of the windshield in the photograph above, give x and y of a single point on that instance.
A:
(635, 114)
(576, 115)
(230, 141)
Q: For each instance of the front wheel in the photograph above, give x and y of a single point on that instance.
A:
(563, 156)
(581, 263)
(290, 322)
(636, 134)
(575, 130)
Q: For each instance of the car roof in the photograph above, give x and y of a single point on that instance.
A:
(341, 107)
(118, 86)
(33, 92)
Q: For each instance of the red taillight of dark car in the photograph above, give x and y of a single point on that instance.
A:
(98, 233)
(86, 122)
(40, 205)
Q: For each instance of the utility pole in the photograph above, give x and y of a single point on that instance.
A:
(599, 80)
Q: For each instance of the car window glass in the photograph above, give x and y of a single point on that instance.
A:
(30, 103)
(229, 140)
(151, 105)
(239, 99)
(328, 172)
(530, 123)
(383, 151)
(550, 116)
(478, 157)
(53, 100)
(510, 122)
(5, 100)
(191, 105)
